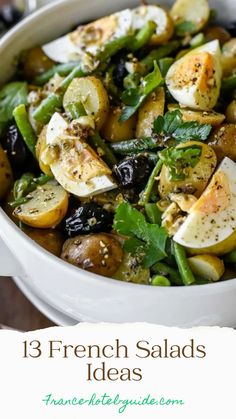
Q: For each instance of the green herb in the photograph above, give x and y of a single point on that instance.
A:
(178, 159)
(147, 241)
(134, 97)
(185, 28)
(171, 126)
(11, 95)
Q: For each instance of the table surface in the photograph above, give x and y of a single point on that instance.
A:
(16, 311)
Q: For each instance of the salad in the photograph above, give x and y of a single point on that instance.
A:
(118, 146)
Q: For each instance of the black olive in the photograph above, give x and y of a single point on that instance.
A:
(120, 72)
(133, 172)
(89, 218)
(10, 15)
(231, 27)
(18, 153)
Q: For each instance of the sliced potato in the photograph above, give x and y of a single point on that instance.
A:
(208, 267)
(130, 270)
(229, 57)
(197, 177)
(149, 111)
(92, 94)
(203, 117)
(46, 207)
(195, 11)
(231, 112)
(6, 175)
(113, 130)
(155, 13)
(223, 141)
(40, 148)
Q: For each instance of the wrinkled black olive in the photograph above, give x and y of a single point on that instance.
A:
(17, 152)
(89, 218)
(133, 172)
(120, 73)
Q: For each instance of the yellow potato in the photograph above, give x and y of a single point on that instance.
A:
(131, 271)
(203, 117)
(208, 267)
(229, 57)
(92, 94)
(195, 11)
(149, 111)
(6, 176)
(113, 130)
(197, 177)
(231, 112)
(51, 240)
(46, 208)
(40, 148)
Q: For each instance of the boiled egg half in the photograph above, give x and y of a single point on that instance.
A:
(195, 79)
(211, 225)
(73, 162)
(89, 39)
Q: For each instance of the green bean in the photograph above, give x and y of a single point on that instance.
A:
(134, 146)
(183, 265)
(61, 69)
(22, 121)
(164, 269)
(161, 281)
(112, 47)
(76, 110)
(231, 257)
(164, 65)
(26, 184)
(145, 195)
(54, 101)
(229, 83)
(153, 213)
(143, 36)
(146, 64)
(103, 149)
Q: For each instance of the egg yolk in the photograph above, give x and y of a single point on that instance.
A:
(196, 69)
(217, 196)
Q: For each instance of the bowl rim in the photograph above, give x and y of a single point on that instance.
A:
(196, 290)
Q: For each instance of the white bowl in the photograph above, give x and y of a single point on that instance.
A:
(72, 291)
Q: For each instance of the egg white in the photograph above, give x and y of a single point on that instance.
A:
(186, 86)
(212, 218)
(96, 185)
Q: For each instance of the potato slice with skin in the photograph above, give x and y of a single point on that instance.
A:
(131, 271)
(208, 267)
(92, 94)
(149, 111)
(203, 117)
(195, 11)
(157, 14)
(40, 148)
(113, 130)
(46, 207)
(6, 175)
(197, 177)
(228, 57)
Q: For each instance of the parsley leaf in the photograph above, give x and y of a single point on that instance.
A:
(179, 159)
(184, 28)
(134, 97)
(11, 95)
(145, 240)
(171, 125)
